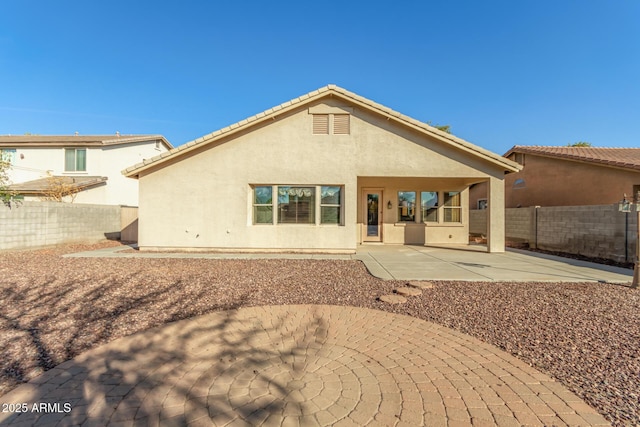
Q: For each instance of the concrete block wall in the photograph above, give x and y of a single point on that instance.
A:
(35, 224)
(478, 221)
(518, 223)
(594, 231)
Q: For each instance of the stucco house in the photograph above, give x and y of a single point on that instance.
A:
(567, 176)
(324, 172)
(90, 164)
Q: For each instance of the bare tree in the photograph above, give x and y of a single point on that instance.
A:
(60, 189)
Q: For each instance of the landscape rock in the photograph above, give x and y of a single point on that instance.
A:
(393, 299)
(408, 291)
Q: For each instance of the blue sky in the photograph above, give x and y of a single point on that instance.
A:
(499, 72)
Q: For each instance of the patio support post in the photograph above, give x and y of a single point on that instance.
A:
(496, 215)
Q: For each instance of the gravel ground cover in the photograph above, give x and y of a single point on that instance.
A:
(51, 309)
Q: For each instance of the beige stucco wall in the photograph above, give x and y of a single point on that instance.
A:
(204, 199)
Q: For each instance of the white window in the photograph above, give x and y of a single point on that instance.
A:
(297, 204)
(75, 159)
(8, 155)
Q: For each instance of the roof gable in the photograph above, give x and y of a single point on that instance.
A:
(626, 158)
(336, 93)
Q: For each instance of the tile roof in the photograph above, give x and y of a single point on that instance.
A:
(38, 186)
(627, 158)
(75, 140)
(330, 90)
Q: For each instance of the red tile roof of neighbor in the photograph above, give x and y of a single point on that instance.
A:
(628, 158)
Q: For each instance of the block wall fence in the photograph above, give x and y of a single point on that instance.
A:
(30, 224)
(594, 231)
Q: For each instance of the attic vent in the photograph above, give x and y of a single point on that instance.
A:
(341, 124)
(320, 124)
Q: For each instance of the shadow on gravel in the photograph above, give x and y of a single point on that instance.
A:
(84, 313)
(221, 366)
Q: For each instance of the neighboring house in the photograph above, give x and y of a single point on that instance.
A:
(89, 164)
(321, 173)
(567, 176)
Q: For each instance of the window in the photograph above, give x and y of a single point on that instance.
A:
(452, 206)
(406, 206)
(482, 204)
(330, 205)
(296, 205)
(8, 155)
(321, 124)
(429, 201)
(75, 159)
(263, 205)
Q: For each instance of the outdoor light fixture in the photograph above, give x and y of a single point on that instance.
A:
(389, 205)
(624, 205)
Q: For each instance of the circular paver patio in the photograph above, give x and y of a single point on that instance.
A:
(296, 365)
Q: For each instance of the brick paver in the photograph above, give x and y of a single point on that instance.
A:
(296, 365)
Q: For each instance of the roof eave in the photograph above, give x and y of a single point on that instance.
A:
(577, 159)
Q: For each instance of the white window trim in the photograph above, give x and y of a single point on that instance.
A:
(75, 160)
(9, 155)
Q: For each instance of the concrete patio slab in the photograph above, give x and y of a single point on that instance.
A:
(405, 262)
(296, 365)
(469, 264)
